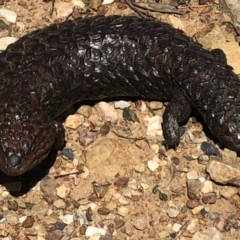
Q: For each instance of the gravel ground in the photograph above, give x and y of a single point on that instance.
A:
(114, 179)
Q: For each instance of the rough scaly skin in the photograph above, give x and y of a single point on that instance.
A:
(46, 71)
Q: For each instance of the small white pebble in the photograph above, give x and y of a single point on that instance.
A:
(107, 2)
(152, 165)
(68, 218)
(94, 230)
(5, 41)
(8, 15)
(173, 211)
(121, 104)
(154, 125)
(176, 227)
(22, 219)
(207, 187)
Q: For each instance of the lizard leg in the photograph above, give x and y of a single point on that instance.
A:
(176, 112)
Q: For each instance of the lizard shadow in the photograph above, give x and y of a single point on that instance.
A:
(20, 185)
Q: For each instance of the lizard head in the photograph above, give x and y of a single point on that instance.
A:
(27, 134)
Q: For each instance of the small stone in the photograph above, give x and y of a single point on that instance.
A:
(51, 219)
(192, 203)
(123, 211)
(48, 187)
(173, 211)
(193, 188)
(85, 110)
(192, 226)
(204, 212)
(176, 188)
(154, 105)
(122, 200)
(209, 149)
(173, 235)
(86, 137)
(229, 155)
(68, 218)
(60, 204)
(12, 205)
(103, 211)
(28, 222)
(39, 209)
(224, 173)
(208, 234)
(3, 26)
(12, 218)
(121, 104)
(5, 41)
(60, 225)
(197, 209)
(175, 160)
(68, 152)
(20, 26)
(121, 181)
(130, 115)
(107, 2)
(220, 223)
(152, 165)
(22, 219)
(83, 229)
(8, 15)
(163, 234)
(140, 168)
(53, 234)
(203, 159)
(207, 187)
(105, 129)
(74, 121)
(176, 227)
(154, 126)
(63, 9)
(213, 215)
(94, 230)
(192, 175)
(100, 189)
(106, 112)
(145, 186)
(63, 191)
(162, 196)
(210, 198)
(141, 106)
(139, 224)
(118, 223)
(81, 217)
(228, 192)
(94, 4)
